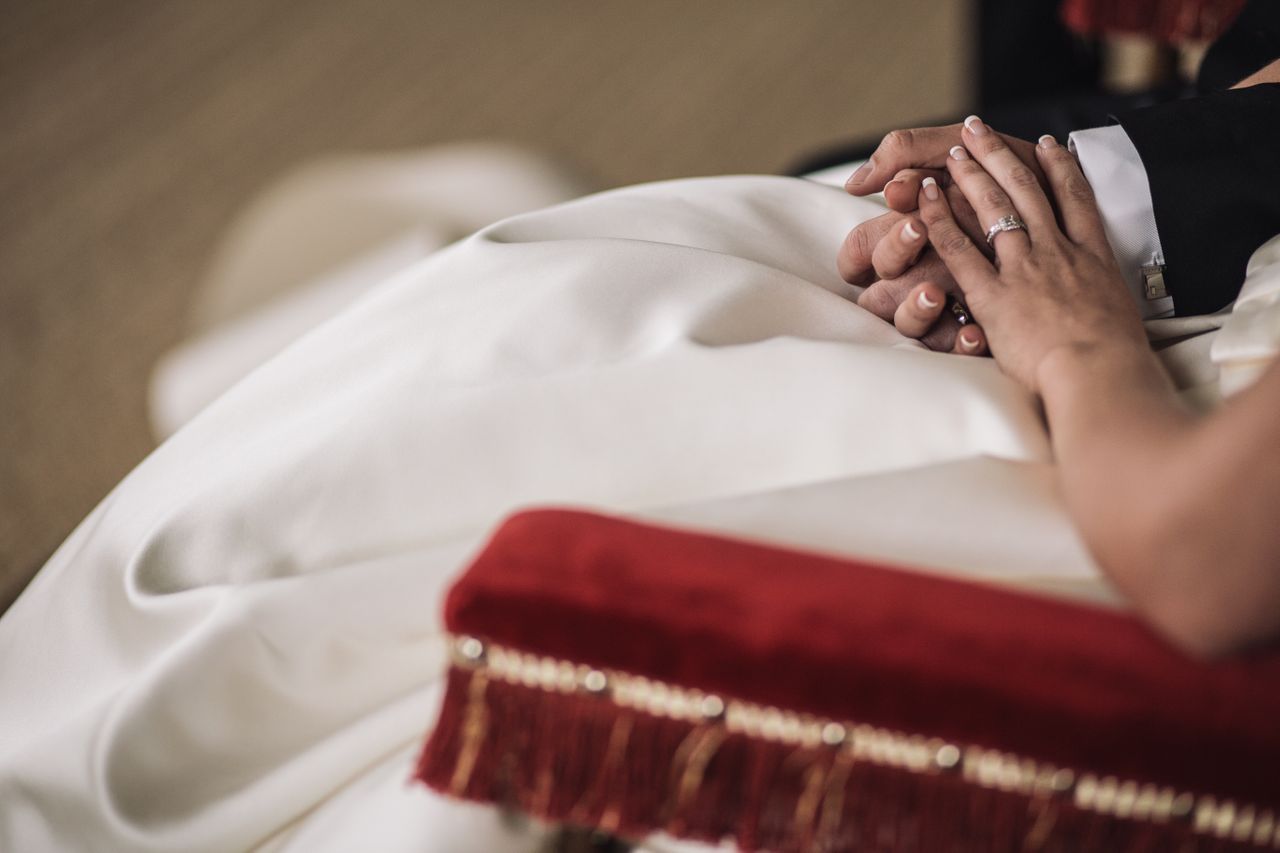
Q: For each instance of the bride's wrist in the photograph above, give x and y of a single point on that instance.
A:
(1065, 366)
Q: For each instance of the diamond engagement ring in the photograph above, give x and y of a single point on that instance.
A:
(1004, 223)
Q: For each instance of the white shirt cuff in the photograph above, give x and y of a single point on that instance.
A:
(1115, 171)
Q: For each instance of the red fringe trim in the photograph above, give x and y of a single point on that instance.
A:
(582, 760)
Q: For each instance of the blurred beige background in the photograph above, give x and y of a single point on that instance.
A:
(130, 134)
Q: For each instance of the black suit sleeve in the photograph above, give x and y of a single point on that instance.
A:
(1213, 163)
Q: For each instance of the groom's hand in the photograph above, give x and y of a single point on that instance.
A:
(910, 155)
(874, 254)
(866, 256)
(887, 298)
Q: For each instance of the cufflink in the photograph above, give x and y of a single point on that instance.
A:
(1153, 282)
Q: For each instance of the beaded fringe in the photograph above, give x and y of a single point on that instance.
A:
(630, 756)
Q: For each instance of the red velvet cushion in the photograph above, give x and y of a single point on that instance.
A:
(1074, 685)
(886, 658)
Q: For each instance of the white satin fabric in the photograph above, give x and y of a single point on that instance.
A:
(241, 646)
(1250, 336)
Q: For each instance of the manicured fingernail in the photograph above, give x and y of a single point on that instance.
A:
(958, 152)
(1047, 142)
(925, 302)
(968, 342)
(975, 125)
(909, 233)
(861, 174)
(930, 187)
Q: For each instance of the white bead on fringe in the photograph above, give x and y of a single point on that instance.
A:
(988, 768)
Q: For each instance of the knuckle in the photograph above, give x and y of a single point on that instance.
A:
(991, 143)
(954, 242)
(1077, 188)
(1061, 154)
(861, 243)
(853, 267)
(898, 141)
(994, 197)
(932, 215)
(879, 301)
(1022, 177)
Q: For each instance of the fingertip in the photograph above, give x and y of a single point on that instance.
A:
(1055, 154)
(929, 189)
(971, 340)
(898, 196)
(926, 306)
(929, 297)
(919, 311)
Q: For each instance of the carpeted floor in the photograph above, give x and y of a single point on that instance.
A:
(130, 133)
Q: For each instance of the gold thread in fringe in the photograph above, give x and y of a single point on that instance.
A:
(807, 804)
(690, 762)
(987, 768)
(619, 735)
(1046, 813)
(475, 723)
(833, 799)
(618, 740)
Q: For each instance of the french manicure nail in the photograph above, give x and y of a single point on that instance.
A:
(861, 174)
(930, 187)
(958, 152)
(1047, 142)
(975, 125)
(925, 302)
(968, 342)
(909, 233)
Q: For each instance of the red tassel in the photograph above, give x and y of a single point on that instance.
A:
(581, 759)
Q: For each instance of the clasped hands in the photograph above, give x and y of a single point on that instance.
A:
(1051, 286)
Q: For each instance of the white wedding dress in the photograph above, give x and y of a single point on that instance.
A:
(241, 646)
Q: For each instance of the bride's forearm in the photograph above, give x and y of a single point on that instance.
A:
(1116, 424)
(1173, 506)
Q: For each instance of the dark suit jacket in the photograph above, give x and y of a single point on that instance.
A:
(1213, 163)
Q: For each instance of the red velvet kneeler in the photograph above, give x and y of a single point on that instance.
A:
(634, 678)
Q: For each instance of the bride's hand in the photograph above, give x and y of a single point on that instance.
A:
(1054, 288)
